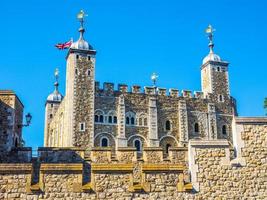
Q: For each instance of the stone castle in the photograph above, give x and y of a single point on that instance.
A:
(106, 143)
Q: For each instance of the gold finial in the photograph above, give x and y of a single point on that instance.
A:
(210, 31)
(81, 15)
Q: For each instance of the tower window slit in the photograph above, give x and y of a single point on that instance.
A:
(224, 130)
(196, 128)
(168, 125)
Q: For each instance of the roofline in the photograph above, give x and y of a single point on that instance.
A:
(251, 120)
(81, 51)
(223, 63)
(11, 92)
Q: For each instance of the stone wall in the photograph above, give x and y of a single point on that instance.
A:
(65, 173)
(11, 116)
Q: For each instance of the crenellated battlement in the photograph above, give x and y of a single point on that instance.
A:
(109, 89)
(206, 169)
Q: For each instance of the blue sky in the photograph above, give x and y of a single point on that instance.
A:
(133, 38)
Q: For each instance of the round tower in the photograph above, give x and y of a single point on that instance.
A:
(51, 106)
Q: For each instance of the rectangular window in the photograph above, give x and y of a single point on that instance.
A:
(82, 126)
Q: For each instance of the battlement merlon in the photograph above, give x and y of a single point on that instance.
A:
(108, 89)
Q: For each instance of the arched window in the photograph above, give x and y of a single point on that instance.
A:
(88, 72)
(130, 118)
(127, 120)
(96, 118)
(196, 128)
(76, 71)
(168, 146)
(51, 116)
(138, 145)
(140, 121)
(110, 119)
(104, 142)
(168, 125)
(115, 119)
(101, 118)
(132, 121)
(218, 69)
(224, 130)
(145, 121)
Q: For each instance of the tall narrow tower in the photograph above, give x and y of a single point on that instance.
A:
(80, 86)
(52, 103)
(214, 72)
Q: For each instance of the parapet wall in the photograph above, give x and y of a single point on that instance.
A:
(74, 174)
(109, 89)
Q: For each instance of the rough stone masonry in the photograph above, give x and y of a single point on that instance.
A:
(106, 143)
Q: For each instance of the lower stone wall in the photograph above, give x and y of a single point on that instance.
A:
(213, 174)
(216, 176)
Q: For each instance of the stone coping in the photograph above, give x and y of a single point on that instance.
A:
(178, 149)
(251, 120)
(60, 149)
(13, 167)
(101, 149)
(61, 167)
(112, 167)
(126, 149)
(209, 143)
(163, 167)
(153, 149)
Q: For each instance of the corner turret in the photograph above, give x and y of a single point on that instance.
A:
(214, 72)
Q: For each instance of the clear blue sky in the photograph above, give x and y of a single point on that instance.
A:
(133, 38)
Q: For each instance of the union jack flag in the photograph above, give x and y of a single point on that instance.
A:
(65, 45)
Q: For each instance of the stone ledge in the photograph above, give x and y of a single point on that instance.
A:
(130, 149)
(61, 167)
(209, 143)
(60, 149)
(162, 167)
(101, 149)
(251, 120)
(153, 149)
(112, 167)
(12, 167)
(178, 149)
